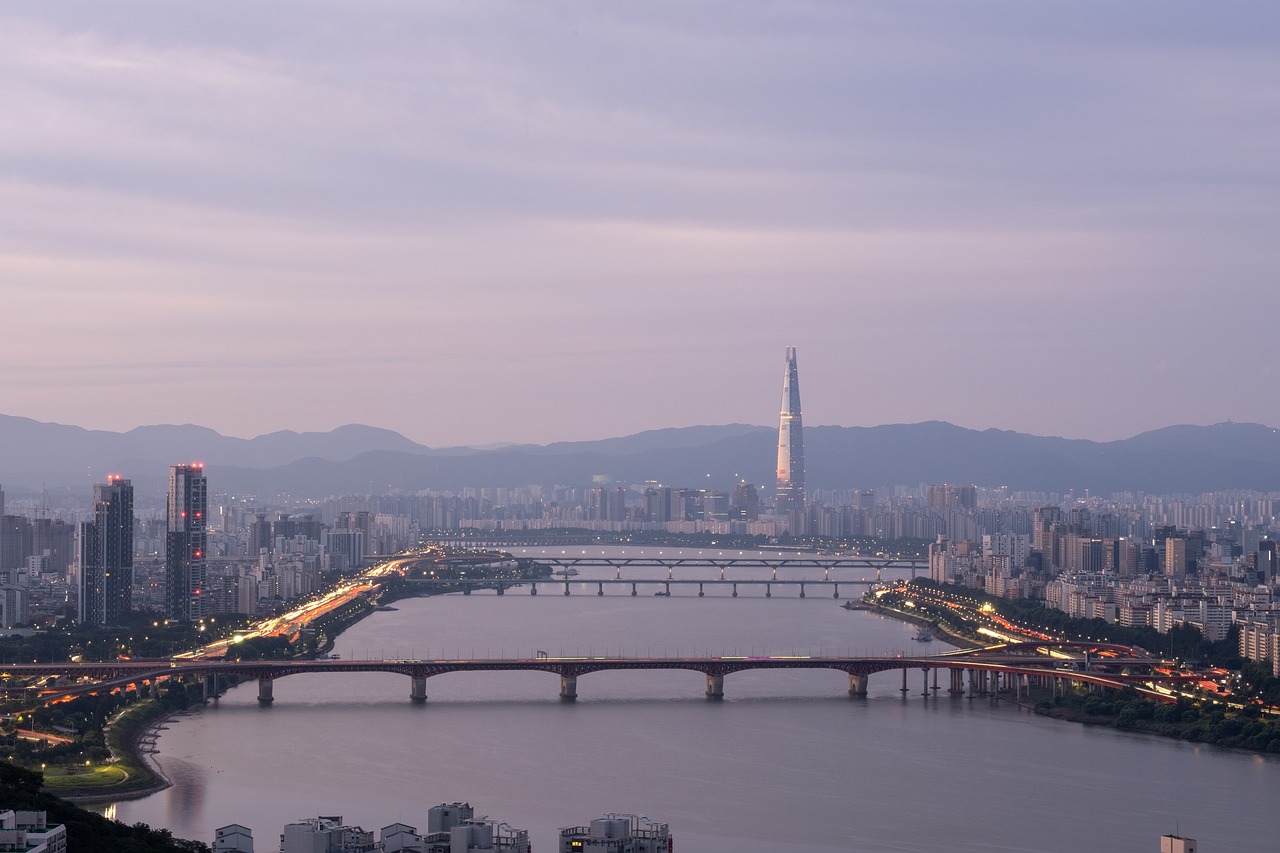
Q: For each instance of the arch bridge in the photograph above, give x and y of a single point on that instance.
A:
(1014, 667)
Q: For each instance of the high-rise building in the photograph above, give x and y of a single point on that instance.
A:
(1177, 844)
(790, 495)
(1175, 557)
(185, 542)
(15, 544)
(745, 503)
(106, 555)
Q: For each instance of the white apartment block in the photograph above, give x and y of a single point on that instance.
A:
(29, 832)
(233, 839)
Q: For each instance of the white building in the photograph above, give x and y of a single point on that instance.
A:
(233, 839)
(401, 838)
(29, 832)
(617, 833)
(325, 834)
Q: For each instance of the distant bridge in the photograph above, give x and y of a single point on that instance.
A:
(722, 562)
(1012, 667)
(467, 586)
(567, 569)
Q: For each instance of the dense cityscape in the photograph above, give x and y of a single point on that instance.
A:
(1199, 569)
(389, 460)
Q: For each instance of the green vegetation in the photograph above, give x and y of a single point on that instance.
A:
(1256, 680)
(90, 742)
(1245, 729)
(143, 636)
(86, 832)
(1231, 716)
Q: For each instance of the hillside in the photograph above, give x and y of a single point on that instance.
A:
(362, 459)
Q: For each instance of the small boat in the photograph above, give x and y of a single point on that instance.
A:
(663, 592)
(925, 634)
(567, 573)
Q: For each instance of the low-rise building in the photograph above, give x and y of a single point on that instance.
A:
(617, 833)
(325, 834)
(30, 832)
(233, 839)
(1177, 844)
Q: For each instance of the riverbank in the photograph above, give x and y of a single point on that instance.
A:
(942, 631)
(1182, 720)
(131, 771)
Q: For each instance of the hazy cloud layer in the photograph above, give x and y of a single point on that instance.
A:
(485, 221)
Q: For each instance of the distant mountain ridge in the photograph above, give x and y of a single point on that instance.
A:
(363, 459)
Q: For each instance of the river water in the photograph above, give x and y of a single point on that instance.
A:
(786, 762)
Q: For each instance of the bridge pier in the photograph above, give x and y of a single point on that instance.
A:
(418, 689)
(925, 689)
(600, 590)
(935, 681)
(566, 587)
(501, 589)
(633, 589)
(208, 691)
(857, 685)
(700, 592)
(715, 686)
(768, 588)
(904, 683)
(533, 589)
(264, 691)
(957, 682)
(735, 590)
(836, 594)
(466, 590)
(802, 589)
(568, 688)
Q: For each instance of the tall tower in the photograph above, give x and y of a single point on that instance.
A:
(790, 494)
(185, 542)
(106, 555)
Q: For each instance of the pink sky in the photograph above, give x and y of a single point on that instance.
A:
(474, 222)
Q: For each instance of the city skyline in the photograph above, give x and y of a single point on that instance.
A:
(488, 222)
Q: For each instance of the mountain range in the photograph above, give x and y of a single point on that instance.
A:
(364, 459)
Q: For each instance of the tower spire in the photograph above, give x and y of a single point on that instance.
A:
(790, 495)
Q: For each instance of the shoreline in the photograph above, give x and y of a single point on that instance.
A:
(127, 751)
(1077, 715)
(129, 747)
(960, 641)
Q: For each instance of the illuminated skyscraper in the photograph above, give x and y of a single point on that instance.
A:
(106, 555)
(790, 494)
(185, 542)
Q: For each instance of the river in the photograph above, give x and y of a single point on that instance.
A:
(786, 762)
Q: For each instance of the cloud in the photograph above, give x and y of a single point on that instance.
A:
(370, 193)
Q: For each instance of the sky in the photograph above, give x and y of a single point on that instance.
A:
(476, 222)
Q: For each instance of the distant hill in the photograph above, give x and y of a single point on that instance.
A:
(362, 459)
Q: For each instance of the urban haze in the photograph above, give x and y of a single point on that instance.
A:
(403, 445)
